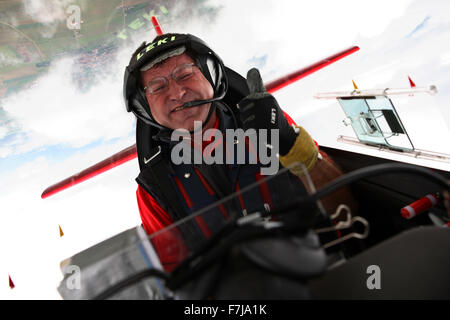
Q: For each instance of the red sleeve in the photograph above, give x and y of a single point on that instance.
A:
(292, 122)
(168, 245)
(153, 217)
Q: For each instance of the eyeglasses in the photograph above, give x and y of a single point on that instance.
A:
(180, 74)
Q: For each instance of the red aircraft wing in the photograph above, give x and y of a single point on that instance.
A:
(131, 152)
(299, 74)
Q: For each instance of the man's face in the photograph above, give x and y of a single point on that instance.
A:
(163, 105)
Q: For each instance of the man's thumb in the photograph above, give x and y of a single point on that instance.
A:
(254, 81)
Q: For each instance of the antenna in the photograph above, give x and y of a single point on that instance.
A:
(157, 26)
(411, 83)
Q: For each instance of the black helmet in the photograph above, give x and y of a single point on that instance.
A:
(208, 62)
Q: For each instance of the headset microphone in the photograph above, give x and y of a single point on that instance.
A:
(195, 103)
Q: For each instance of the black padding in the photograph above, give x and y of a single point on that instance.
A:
(413, 265)
(237, 88)
(392, 121)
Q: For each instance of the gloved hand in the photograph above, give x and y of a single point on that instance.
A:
(260, 110)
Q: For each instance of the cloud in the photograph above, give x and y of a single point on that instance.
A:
(295, 35)
(385, 61)
(54, 111)
(3, 132)
(88, 214)
(47, 11)
(290, 32)
(419, 27)
(8, 60)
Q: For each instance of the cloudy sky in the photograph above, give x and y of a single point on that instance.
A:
(54, 130)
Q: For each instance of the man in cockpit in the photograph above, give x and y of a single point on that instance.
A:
(176, 82)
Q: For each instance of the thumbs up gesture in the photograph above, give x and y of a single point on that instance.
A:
(260, 110)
